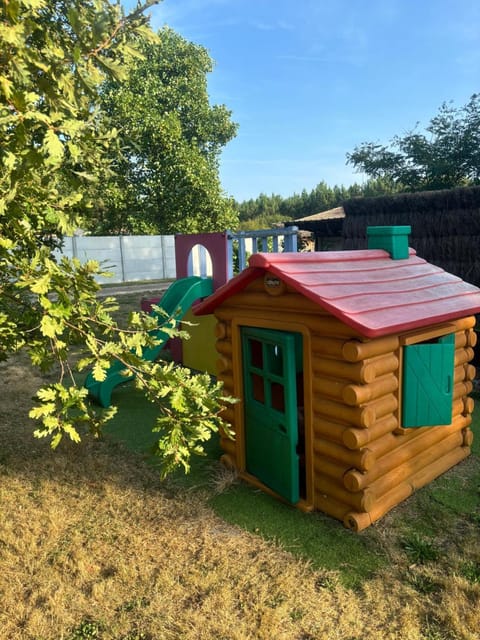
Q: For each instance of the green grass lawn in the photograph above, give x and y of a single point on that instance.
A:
(414, 526)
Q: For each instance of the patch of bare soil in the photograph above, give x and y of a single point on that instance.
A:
(89, 534)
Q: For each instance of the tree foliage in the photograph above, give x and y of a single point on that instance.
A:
(55, 145)
(167, 178)
(265, 210)
(446, 156)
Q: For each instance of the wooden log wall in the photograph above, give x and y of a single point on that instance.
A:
(406, 459)
(363, 462)
(358, 405)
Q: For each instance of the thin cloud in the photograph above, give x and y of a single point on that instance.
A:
(278, 25)
(306, 58)
(353, 59)
(178, 14)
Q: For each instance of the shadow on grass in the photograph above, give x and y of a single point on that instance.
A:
(314, 537)
(323, 541)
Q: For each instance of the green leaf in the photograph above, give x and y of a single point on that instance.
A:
(99, 371)
(6, 86)
(41, 285)
(53, 148)
(6, 243)
(72, 432)
(49, 327)
(34, 4)
(56, 440)
(43, 410)
(47, 394)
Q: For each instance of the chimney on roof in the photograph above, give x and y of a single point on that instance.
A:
(393, 239)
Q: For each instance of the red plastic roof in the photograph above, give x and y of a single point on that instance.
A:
(366, 289)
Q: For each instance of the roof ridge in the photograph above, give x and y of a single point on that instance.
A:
(264, 260)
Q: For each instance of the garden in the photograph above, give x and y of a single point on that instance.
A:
(94, 545)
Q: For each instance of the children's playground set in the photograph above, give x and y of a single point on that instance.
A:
(352, 367)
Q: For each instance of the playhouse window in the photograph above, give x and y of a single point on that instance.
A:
(258, 388)
(275, 359)
(256, 353)
(278, 397)
(428, 382)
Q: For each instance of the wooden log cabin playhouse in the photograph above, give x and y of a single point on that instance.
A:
(352, 370)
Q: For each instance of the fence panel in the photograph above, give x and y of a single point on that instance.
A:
(245, 243)
(148, 257)
(104, 249)
(128, 258)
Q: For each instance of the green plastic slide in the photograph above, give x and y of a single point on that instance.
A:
(175, 302)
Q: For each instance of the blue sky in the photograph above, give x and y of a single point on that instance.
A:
(308, 80)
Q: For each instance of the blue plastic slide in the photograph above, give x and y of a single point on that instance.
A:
(175, 302)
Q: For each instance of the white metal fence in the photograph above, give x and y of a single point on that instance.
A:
(128, 258)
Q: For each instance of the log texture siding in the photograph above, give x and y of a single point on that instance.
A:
(359, 461)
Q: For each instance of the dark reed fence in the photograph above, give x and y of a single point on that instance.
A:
(445, 226)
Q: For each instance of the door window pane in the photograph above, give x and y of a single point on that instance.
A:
(278, 396)
(258, 390)
(275, 359)
(256, 355)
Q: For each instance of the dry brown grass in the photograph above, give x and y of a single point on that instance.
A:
(90, 533)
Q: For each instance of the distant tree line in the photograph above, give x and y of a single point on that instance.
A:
(264, 210)
(445, 156)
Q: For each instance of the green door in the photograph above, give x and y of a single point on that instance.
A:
(272, 361)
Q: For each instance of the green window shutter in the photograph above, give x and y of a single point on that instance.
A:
(428, 383)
